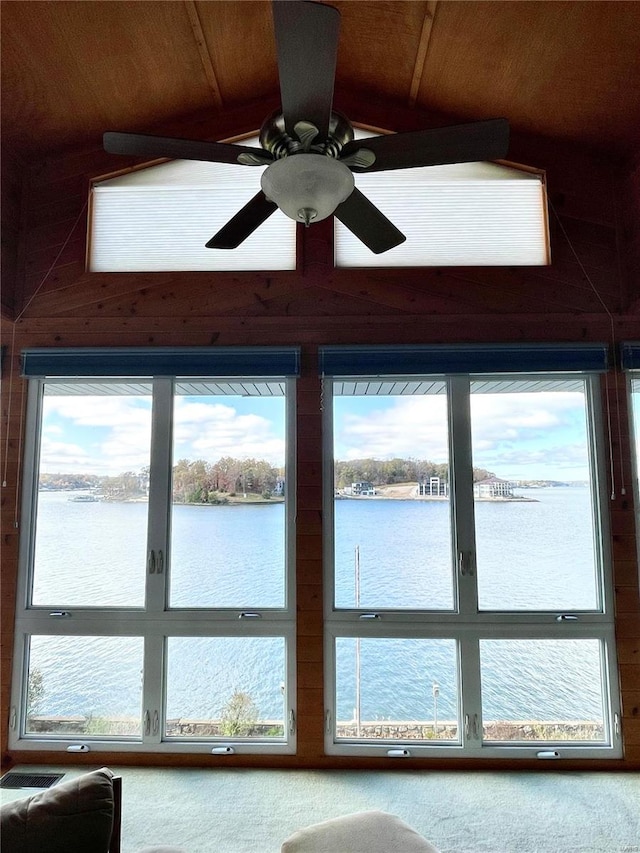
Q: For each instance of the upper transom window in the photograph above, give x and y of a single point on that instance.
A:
(159, 219)
(467, 214)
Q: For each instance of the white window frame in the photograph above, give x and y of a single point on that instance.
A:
(465, 622)
(155, 622)
(633, 378)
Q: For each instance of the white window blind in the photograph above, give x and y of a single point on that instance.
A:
(159, 219)
(465, 214)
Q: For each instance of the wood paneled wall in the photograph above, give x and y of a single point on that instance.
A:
(629, 231)
(11, 171)
(589, 293)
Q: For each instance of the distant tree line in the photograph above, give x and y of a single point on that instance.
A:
(199, 481)
(69, 481)
(194, 481)
(386, 472)
(203, 482)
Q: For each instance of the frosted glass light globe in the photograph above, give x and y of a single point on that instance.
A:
(307, 187)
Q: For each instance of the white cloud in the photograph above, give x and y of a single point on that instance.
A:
(99, 411)
(111, 434)
(105, 435)
(531, 435)
(496, 417)
(516, 435)
(59, 457)
(412, 427)
(553, 462)
(52, 429)
(211, 431)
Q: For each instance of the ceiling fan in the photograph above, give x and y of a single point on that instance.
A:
(310, 151)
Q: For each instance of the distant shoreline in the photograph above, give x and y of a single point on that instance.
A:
(434, 498)
(409, 492)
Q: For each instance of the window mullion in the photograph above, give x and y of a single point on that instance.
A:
(599, 497)
(470, 691)
(159, 495)
(461, 484)
(35, 394)
(290, 499)
(153, 690)
(328, 511)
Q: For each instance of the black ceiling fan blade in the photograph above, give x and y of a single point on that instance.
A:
(368, 223)
(244, 223)
(462, 143)
(145, 145)
(307, 46)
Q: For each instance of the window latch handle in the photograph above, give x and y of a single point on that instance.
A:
(60, 614)
(147, 722)
(156, 722)
(465, 564)
(471, 725)
(567, 617)
(249, 614)
(369, 616)
(327, 721)
(151, 562)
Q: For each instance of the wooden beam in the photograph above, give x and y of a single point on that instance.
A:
(423, 48)
(203, 50)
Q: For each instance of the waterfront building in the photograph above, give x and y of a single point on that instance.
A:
(493, 487)
(434, 487)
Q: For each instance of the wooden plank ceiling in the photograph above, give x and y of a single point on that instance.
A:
(565, 74)
(71, 70)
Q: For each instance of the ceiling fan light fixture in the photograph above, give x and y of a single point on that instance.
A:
(307, 187)
(312, 149)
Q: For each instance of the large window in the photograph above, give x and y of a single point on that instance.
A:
(156, 610)
(468, 604)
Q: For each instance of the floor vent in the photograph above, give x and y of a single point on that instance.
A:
(30, 780)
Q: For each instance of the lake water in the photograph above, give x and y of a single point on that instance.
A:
(232, 556)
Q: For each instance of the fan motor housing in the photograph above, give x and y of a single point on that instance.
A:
(275, 139)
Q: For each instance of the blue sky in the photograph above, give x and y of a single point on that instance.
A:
(517, 436)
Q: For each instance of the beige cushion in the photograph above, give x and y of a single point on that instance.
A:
(73, 816)
(363, 832)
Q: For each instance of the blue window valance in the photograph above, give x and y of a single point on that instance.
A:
(413, 360)
(161, 361)
(630, 355)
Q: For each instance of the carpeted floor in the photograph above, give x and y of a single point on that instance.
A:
(253, 811)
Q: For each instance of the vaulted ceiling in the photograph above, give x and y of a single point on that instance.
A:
(565, 74)
(71, 70)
